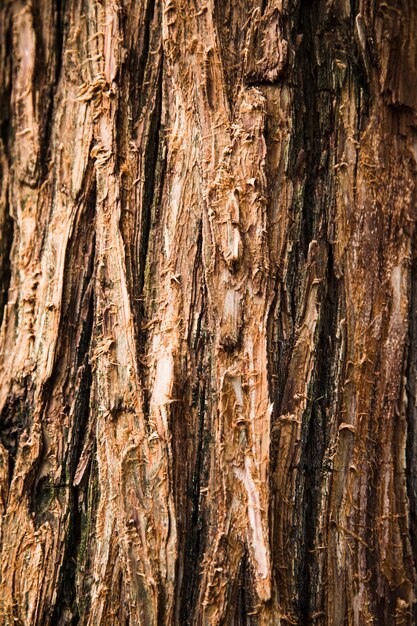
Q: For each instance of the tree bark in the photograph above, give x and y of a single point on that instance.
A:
(208, 294)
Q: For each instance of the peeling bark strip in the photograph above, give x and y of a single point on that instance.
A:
(207, 293)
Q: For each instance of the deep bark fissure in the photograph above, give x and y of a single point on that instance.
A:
(241, 600)
(136, 64)
(306, 153)
(318, 124)
(44, 94)
(153, 172)
(317, 443)
(6, 219)
(15, 420)
(6, 243)
(87, 517)
(193, 526)
(6, 128)
(77, 310)
(156, 164)
(411, 378)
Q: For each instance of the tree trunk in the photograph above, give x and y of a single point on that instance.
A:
(208, 291)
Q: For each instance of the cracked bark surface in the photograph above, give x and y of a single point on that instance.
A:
(208, 370)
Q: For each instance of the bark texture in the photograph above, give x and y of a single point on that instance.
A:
(208, 293)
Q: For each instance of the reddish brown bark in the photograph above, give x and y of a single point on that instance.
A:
(208, 296)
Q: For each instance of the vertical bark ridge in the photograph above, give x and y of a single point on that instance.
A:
(376, 291)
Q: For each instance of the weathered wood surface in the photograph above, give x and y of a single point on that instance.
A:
(208, 287)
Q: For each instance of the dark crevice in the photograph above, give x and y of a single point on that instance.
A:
(154, 171)
(139, 232)
(152, 157)
(72, 377)
(66, 607)
(193, 342)
(59, 37)
(6, 76)
(6, 220)
(55, 74)
(134, 89)
(310, 166)
(318, 439)
(318, 125)
(411, 376)
(194, 525)
(137, 227)
(241, 599)
(136, 63)
(302, 162)
(15, 419)
(46, 76)
(305, 152)
(309, 159)
(42, 90)
(6, 242)
(88, 497)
